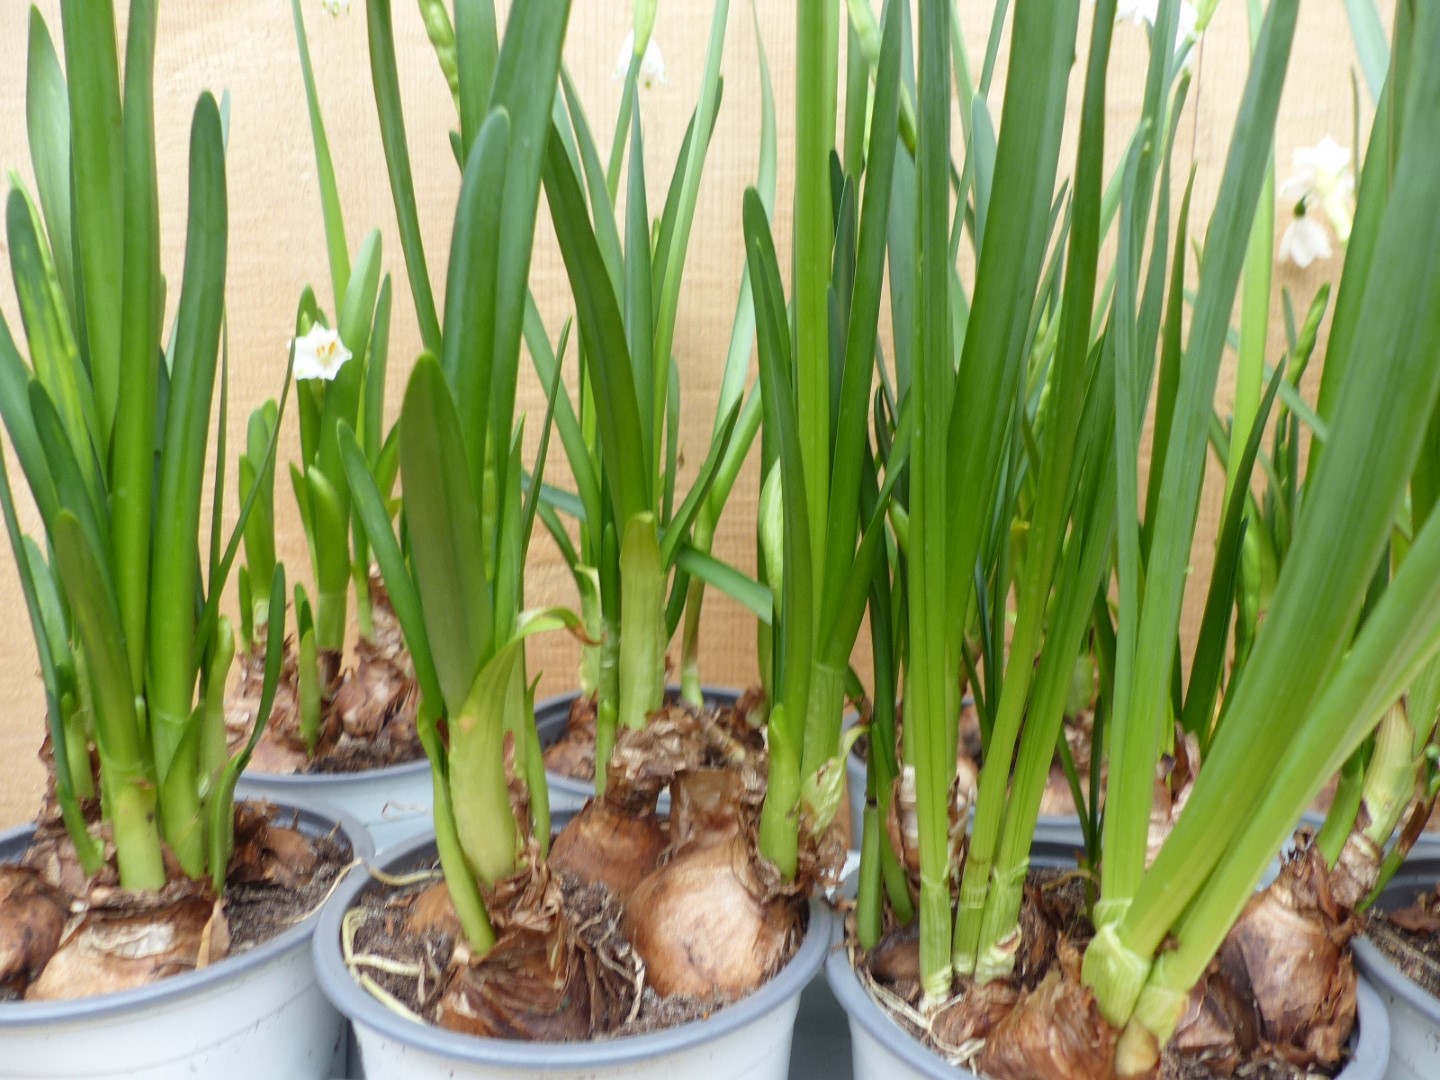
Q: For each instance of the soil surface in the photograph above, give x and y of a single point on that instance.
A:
(258, 912)
(277, 877)
(355, 755)
(1065, 903)
(1410, 939)
(596, 913)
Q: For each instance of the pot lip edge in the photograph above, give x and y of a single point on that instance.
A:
(24, 1014)
(363, 1011)
(256, 781)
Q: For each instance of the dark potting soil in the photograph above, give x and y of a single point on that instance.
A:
(1410, 939)
(261, 911)
(597, 916)
(1066, 902)
(355, 755)
(278, 877)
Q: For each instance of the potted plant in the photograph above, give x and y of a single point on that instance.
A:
(520, 969)
(143, 894)
(622, 677)
(1150, 972)
(344, 734)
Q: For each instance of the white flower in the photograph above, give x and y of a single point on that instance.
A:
(1305, 240)
(652, 64)
(1146, 12)
(320, 354)
(335, 7)
(1323, 176)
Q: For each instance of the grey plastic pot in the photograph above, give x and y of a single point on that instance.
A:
(551, 716)
(1414, 1012)
(257, 1013)
(882, 1049)
(750, 1039)
(393, 804)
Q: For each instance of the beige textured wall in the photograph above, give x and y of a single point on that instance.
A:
(276, 240)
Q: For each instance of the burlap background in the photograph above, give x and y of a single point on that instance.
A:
(277, 246)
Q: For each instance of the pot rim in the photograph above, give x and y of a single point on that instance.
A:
(283, 781)
(1380, 969)
(556, 709)
(1371, 1040)
(363, 1010)
(315, 818)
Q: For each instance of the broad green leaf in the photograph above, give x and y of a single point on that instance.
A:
(602, 333)
(171, 678)
(93, 64)
(445, 539)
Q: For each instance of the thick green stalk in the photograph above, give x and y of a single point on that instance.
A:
(1254, 309)
(1400, 636)
(129, 786)
(814, 135)
(1376, 434)
(701, 539)
(779, 829)
(928, 677)
(1340, 818)
(96, 155)
(642, 624)
(134, 451)
(214, 754)
(171, 678)
(1138, 723)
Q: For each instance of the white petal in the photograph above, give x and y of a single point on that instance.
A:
(1327, 157)
(320, 354)
(1305, 240)
(627, 50)
(1137, 11)
(1296, 188)
(652, 67)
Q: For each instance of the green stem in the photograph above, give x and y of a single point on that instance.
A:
(779, 823)
(607, 700)
(869, 901)
(308, 673)
(642, 623)
(1340, 818)
(214, 753)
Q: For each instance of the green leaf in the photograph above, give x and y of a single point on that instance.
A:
(117, 727)
(93, 65)
(404, 597)
(386, 80)
(602, 333)
(525, 81)
(796, 629)
(642, 625)
(172, 656)
(336, 248)
(1370, 46)
(445, 537)
(468, 359)
(47, 121)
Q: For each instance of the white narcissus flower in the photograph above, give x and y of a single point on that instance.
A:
(320, 354)
(1146, 12)
(1305, 240)
(335, 7)
(652, 64)
(1323, 176)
